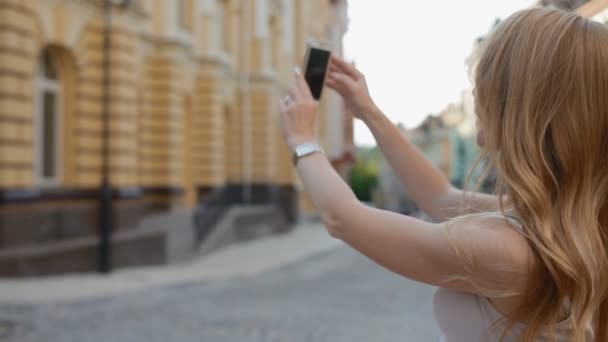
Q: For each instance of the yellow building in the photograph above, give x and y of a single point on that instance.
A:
(193, 91)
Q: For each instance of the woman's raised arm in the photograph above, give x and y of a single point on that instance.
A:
(413, 248)
(426, 185)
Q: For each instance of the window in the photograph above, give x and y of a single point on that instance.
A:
(275, 41)
(225, 28)
(261, 18)
(184, 14)
(48, 101)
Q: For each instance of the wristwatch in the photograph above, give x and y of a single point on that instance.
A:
(304, 150)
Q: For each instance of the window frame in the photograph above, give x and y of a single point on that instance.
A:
(45, 85)
(184, 15)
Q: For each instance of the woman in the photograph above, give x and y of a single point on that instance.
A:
(530, 263)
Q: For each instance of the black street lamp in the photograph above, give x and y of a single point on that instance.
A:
(104, 251)
(104, 256)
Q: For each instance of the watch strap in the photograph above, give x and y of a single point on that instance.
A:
(304, 150)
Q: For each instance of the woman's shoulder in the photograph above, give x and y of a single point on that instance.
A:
(494, 251)
(491, 227)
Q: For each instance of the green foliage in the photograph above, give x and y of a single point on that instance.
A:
(364, 174)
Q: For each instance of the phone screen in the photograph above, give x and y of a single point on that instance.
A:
(316, 68)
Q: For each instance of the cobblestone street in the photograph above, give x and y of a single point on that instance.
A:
(335, 296)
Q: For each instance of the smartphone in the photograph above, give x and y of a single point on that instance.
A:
(316, 63)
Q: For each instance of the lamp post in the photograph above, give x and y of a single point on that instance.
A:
(104, 251)
(104, 256)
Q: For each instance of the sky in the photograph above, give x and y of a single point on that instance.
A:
(413, 53)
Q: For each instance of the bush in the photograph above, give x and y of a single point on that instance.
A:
(363, 178)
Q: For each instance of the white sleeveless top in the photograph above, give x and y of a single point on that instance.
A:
(464, 317)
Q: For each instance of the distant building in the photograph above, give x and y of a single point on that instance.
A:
(567, 5)
(194, 91)
(447, 140)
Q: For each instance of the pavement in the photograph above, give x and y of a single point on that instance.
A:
(240, 259)
(297, 287)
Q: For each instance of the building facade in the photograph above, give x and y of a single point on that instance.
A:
(194, 87)
(447, 140)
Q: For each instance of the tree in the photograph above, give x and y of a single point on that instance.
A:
(364, 174)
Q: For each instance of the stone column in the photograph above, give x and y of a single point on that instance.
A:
(123, 142)
(161, 125)
(208, 128)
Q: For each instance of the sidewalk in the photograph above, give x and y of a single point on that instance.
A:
(242, 259)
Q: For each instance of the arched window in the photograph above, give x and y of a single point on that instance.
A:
(185, 14)
(47, 116)
(224, 28)
(275, 40)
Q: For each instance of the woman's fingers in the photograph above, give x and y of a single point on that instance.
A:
(342, 81)
(342, 65)
(338, 73)
(300, 90)
(333, 67)
(337, 79)
(302, 86)
(294, 93)
(333, 83)
(284, 104)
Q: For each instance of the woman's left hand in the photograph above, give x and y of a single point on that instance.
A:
(298, 114)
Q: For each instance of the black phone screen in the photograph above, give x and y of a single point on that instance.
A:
(316, 67)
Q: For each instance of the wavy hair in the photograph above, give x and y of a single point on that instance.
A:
(541, 83)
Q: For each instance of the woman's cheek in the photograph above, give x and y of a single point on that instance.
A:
(480, 139)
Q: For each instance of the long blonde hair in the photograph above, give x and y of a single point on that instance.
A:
(541, 83)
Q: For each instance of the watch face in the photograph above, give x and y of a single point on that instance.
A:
(304, 150)
(307, 148)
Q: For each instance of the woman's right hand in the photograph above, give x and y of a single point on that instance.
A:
(350, 83)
